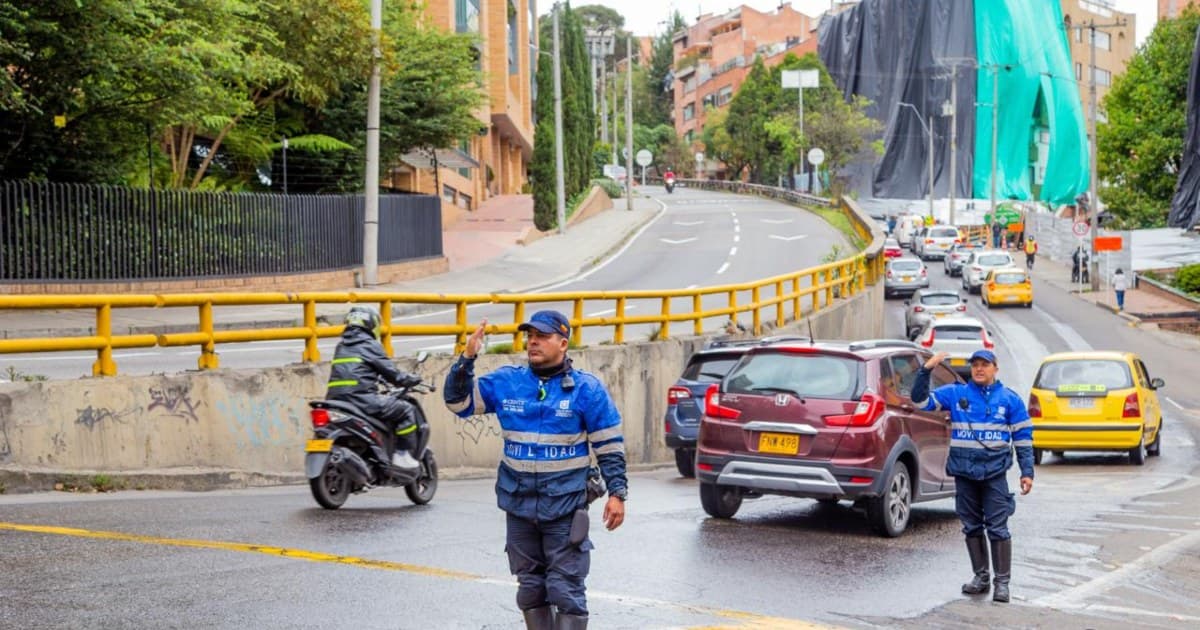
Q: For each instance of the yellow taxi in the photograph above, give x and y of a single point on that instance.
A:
(1095, 401)
(1005, 286)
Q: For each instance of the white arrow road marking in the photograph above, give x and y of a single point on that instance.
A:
(679, 242)
(689, 223)
(736, 238)
(789, 238)
(611, 310)
(733, 251)
(737, 228)
(723, 268)
(777, 221)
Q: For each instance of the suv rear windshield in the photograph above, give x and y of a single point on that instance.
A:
(805, 375)
(710, 369)
(940, 299)
(906, 265)
(958, 332)
(1110, 374)
(943, 233)
(995, 260)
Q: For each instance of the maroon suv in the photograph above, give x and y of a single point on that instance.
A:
(826, 421)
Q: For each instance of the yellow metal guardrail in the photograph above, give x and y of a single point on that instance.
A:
(844, 277)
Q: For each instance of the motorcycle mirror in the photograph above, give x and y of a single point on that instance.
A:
(421, 356)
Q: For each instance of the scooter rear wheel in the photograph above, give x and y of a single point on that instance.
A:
(331, 488)
(422, 490)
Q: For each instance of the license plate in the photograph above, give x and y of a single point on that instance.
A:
(908, 278)
(1010, 298)
(958, 361)
(318, 446)
(939, 314)
(780, 443)
(1082, 403)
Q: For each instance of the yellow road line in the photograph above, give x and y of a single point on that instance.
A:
(748, 619)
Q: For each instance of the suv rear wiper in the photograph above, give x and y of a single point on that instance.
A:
(780, 390)
(716, 375)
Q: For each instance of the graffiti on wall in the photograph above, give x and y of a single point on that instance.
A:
(258, 421)
(174, 400)
(91, 416)
(5, 412)
(474, 429)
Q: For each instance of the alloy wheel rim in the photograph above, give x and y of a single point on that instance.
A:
(898, 503)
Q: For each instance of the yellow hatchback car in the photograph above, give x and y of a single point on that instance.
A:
(1095, 401)
(1006, 286)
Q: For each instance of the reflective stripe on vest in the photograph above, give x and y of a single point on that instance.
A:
(347, 360)
(346, 383)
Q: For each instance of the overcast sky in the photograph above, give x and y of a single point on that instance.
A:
(644, 17)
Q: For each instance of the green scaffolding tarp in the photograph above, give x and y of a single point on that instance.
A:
(1025, 43)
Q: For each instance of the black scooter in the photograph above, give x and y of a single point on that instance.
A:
(351, 452)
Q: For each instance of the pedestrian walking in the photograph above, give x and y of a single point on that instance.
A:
(1079, 265)
(891, 224)
(987, 422)
(1120, 284)
(549, 414)
(1030, 251)
(996, 232)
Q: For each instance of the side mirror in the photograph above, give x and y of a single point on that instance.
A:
(964, 300)
(421, 356)
(1156, 383)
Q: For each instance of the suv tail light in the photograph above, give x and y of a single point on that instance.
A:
(868, 410)
(987, 341)
(676, 394)
(712, 405)
(928, 340)
(320, 417)
(1133, 409)
(1035, 406)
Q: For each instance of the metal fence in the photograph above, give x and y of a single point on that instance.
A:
(83, 232)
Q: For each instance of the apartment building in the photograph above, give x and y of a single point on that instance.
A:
(1172, 8)
(1115, 46)
(494, 162)
(713, 57)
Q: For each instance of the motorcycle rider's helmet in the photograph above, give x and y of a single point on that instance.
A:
(365, 317)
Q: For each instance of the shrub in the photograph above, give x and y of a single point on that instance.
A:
(611, 187)
(1187, 279)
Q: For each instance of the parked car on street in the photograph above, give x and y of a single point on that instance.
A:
(957, 336)
(685, 398)
(829, 421)
(936, 240)
(929, 304)
(1096, 401)
(958, 253)
(1003, 287)
(891, 249)
(980, 262)
(904, 276)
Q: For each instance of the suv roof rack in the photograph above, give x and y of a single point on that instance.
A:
(739, 343)
(868, 344)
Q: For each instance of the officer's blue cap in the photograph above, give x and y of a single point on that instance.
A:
(548, 322)
(986, 355)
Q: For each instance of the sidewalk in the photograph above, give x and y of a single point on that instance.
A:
(484, 258)
(1139, 305)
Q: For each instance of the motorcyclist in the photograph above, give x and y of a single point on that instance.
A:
(669, 178)
(358, 365)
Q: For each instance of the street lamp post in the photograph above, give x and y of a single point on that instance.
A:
(285, 148)
(371, 206)
(929, 131)
(629, 123)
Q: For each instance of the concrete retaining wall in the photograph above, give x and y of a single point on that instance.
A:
(233, 427)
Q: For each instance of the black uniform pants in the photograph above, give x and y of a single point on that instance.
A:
(984, 505)
(549, 569)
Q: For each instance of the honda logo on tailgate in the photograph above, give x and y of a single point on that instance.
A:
(781, 400)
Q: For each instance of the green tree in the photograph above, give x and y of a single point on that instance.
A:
(1141, 146)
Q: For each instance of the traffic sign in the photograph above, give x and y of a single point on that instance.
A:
(1108, 243)
(1006, 215)
(816, 156)
(1080, 228)
(644, 157)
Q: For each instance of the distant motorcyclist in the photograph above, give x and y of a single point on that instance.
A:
(358, 365)
(669, 179)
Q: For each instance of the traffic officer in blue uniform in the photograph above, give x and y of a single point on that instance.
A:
(550, 414)
(987, 420)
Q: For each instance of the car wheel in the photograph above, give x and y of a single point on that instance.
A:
(720, 501)
(1029, 304)
(828, 502)
(1155, 448)
(1137, 454)
(888, 514)
(1037, 456)
(685, 462)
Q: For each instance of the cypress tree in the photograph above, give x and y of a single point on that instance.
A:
(541, 167)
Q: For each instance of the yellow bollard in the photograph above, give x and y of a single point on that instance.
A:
(816, 295)
(697, 308)
(619, 333)
(208, 349)
(104, 365)
(385, 335)
(518, 342)
(577, 328)
(312, 353)
(665, 331)
(460, 318)
(757, 319)
(779, 304)
(733, 317)
(796, 310)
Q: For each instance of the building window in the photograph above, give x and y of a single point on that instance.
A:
(465, 147)
(448, 193)
(1103, 40)
(1103, 77)
(514, 63)
(689, 85)
(466, 16)
(1078, 71)
(724, 95)
(689, 111)
(689, 136)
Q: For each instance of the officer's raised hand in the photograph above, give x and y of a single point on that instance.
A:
(936, 360)
(475, 341)
(614, 513)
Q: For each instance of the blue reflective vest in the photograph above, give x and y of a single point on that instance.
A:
(985, 423)
(547, 430)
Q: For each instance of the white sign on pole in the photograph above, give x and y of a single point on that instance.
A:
(793, 79)
(816, 156)
(644, 157)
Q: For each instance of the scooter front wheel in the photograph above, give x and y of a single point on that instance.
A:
(331, 488)
(422, 490)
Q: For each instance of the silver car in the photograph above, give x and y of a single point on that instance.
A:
(929, 304)
(935, 241)
(959, 337)
(981, 262)
(904, 275)
(958, 253)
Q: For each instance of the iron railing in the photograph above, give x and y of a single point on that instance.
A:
(53, 232)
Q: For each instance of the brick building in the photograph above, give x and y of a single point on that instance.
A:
(1172, 8)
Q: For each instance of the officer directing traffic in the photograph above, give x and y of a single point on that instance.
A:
(549, 414)
(987, 420)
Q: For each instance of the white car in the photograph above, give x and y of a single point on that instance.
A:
(957, 336)
(975, 269)
(936, 241)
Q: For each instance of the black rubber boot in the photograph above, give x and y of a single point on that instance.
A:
(540, 618)
(570, 622)
(977, 549)
(1002, 566)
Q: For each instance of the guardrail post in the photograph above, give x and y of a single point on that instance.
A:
(518, 342)
(697, 309)
(208, 349)
(816, 295)
(664, 332)
(312, 353)
(104, 365)
(385, 335)
(755, 294)
(828, 277)
(619, 333)
(796, 298)
(577, 328)
(733, 316)
(779, 304)
(460, 318)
